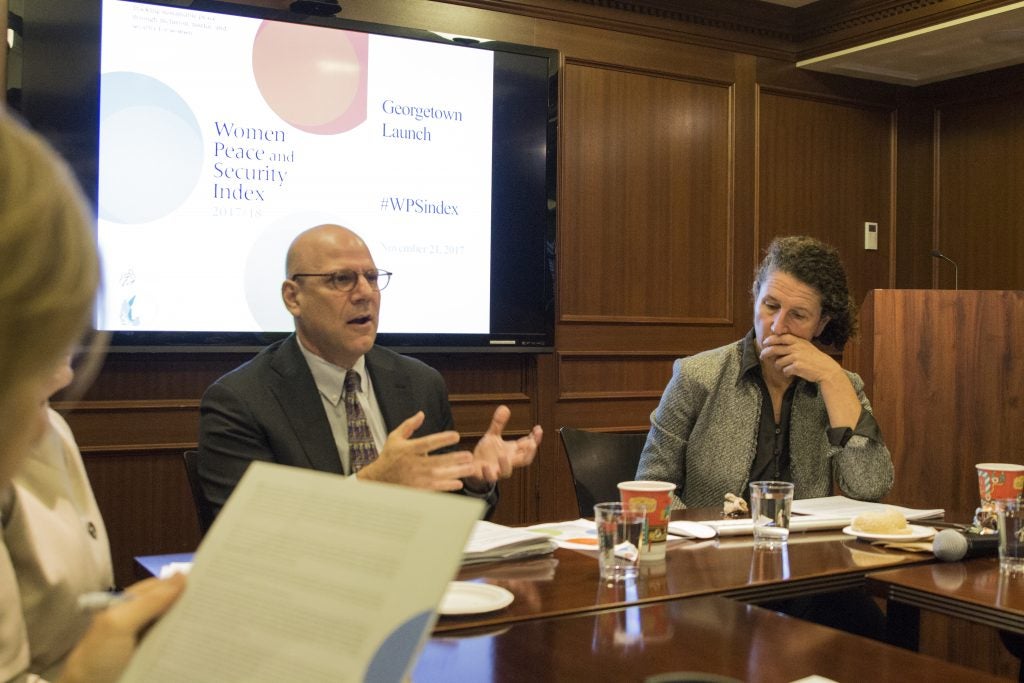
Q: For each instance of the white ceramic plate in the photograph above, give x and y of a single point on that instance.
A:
(917, 533)
(465, 597)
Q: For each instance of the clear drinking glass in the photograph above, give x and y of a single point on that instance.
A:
(620, 531)
(1010, 520)
(771, 503)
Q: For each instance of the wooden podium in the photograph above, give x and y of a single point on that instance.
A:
(944, 371)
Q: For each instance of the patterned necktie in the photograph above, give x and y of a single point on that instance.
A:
(361, 448)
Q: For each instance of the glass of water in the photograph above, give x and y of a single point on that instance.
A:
(771, 503)
(620, 532)
(1010, 519)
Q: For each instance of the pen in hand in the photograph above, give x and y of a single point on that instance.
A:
(98, 600)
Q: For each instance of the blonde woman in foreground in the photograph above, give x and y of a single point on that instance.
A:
(48, 279)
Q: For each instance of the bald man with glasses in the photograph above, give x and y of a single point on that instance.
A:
(326, 398)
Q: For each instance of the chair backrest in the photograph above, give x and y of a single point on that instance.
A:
(599, 461)
(204, 511)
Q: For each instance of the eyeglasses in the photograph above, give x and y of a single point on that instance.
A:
(346, 280)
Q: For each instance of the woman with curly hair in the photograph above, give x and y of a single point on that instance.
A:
(773, 405)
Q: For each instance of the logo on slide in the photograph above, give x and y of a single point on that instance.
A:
(314, 80)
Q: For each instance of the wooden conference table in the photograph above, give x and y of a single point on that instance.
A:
(973, 590)
(567, 582)
(710, 634)
(566, 624)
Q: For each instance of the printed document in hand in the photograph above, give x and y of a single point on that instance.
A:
(308, 576)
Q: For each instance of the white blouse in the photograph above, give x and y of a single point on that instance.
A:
(54, 548)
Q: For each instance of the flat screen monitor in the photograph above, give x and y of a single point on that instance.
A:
(209, 134)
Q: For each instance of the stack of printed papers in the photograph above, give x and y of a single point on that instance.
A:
(491, 542)
(841, 506)
(816, 514)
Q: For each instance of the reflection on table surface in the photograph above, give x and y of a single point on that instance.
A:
(710, 634)
(568, 582)
(972, 589)
(978, 581)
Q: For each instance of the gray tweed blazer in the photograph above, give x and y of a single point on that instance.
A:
(704, 434)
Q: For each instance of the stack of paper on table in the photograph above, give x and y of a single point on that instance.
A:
(812, 514)
(490, 542)
(841, 506)
(308, 576)
(578, 534)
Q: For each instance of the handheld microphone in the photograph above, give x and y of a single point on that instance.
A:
(951, 545)
(956, 271)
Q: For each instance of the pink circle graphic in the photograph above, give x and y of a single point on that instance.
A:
(313, 78)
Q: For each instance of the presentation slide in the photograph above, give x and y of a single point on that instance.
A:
(221, 138)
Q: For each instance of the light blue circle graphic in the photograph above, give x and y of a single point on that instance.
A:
(391, 658)
(264, 269)
(151, 148)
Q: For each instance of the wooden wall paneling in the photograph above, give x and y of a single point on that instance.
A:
(556, 496)
(993, 84)
(557, 499)
(646, 234)
(943, 372)
(645, 179)
(744, 202)
(482, 373)
(139, 376)
(966, 643)
(596, 375)
(675, 340)
(549, 480)
(976, 174)
(130, 425)
(624, 414)
(607, 391)
(980, 170)
(915, 196)
(477, 385)
(824, 168)
(146, 505)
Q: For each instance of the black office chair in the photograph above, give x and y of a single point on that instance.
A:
(598, 462)
(204, 511)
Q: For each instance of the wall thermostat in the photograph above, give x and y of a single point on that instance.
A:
(871, 236)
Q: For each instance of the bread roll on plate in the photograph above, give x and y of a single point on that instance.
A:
(888, 521)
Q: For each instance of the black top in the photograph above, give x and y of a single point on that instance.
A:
(771, 459)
